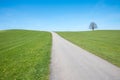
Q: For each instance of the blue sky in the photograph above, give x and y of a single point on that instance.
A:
(59, 15)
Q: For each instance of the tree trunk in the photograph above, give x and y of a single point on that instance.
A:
(92, 28)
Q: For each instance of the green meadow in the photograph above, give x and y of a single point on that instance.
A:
(24, 55)
(103, 43)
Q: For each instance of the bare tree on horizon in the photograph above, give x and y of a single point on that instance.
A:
(93, 25)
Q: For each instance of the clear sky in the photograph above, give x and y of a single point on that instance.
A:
(59, 15)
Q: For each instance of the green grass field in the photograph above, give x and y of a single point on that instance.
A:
(105, 44)
(24, 55)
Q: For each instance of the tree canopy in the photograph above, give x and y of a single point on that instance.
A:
(93, 25)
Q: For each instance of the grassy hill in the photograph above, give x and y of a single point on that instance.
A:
(24, 55)
(105, 44)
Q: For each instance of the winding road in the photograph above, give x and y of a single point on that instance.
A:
(70, 62)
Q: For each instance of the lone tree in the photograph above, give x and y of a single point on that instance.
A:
(93, 25)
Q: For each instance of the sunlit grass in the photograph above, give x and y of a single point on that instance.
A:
(24, 55)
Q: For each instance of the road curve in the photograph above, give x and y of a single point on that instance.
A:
(70, 62)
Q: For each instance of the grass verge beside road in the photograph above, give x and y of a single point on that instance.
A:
(24, 55)
(105, 44)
